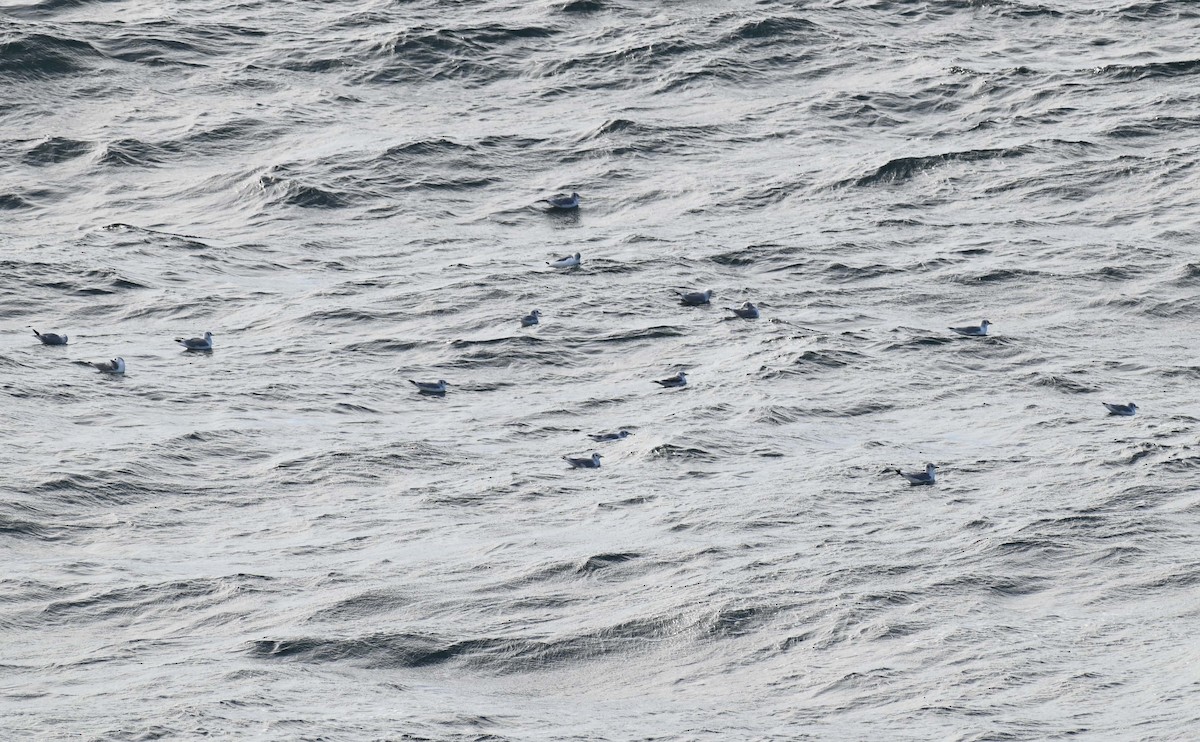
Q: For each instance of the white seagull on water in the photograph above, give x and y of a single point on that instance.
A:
(929, 476)
(746, 311)
(694, 298)
(592, 463)
(426, 387)
(679, 379)
(50, 338)
(115, 366)
(563, 202)
(204, 343)
(604, 437)
(974, 331)
(569, 261)
(1125, 410)
(531, 318)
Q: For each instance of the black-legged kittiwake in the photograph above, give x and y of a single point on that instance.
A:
(974, 331)
(929, 476)
(679, 379)
(746, 311)
(426, 387)
(695, 298)
(204, 343)
(50, 338)
(569, 261)
(592, 463)
(605, 437)
(115, 366)
(562, 201)
(1125, 410)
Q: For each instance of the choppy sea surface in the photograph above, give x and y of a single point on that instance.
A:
(282, 540)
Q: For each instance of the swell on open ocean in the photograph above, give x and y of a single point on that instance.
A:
(281, 539)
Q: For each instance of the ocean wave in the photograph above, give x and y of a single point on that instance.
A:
(55, 150)
(490, 653)
(474, 54)
(37, 55)
(1149, 70)
(902, 169)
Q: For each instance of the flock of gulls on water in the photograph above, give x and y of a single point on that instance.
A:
(688, 298)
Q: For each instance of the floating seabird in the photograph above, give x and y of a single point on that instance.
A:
(426, 387)
(746, 311)
(563, 202)
(679, 379)
(592, 463)
(204, 343)
(929, 476)
(1125, 410)
(531, 318)
(974, 331)
(694, 298)
(604, 437)
(570, 261)
(115, 366)
(50, 338)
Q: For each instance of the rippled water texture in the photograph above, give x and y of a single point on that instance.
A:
(282, 539)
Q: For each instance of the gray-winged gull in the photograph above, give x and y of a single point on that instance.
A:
(50, 338)
(679, 379)
(974, 331)
(1125, 410)
(592, 463)
(746, 311)
(115, 366)
(569, 261)
(204, 343)
(562, 201)
(604, 437)
(695, 298)
(426, 387)
(929, 476)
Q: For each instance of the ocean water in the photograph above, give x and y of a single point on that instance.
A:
(281, 539)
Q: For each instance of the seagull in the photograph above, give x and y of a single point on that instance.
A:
(204, 343)
(975, 331)
(570, 261)
(694, 298)
(426, 387)
(563, 202)
(592, 463)
(746, 311)
(679, 379)
(50, 338)
(531, 318)
(604, 437)
(115, 366)
(1125, 410)
(929, 476)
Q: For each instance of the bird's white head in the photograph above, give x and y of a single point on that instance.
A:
(208, 335)
(577, 256)
(574, 194)
(119, 362)
(930, 469)
(536, 313)
(596, 457)
(1132, 406)
(985, 324)
(623, 434)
